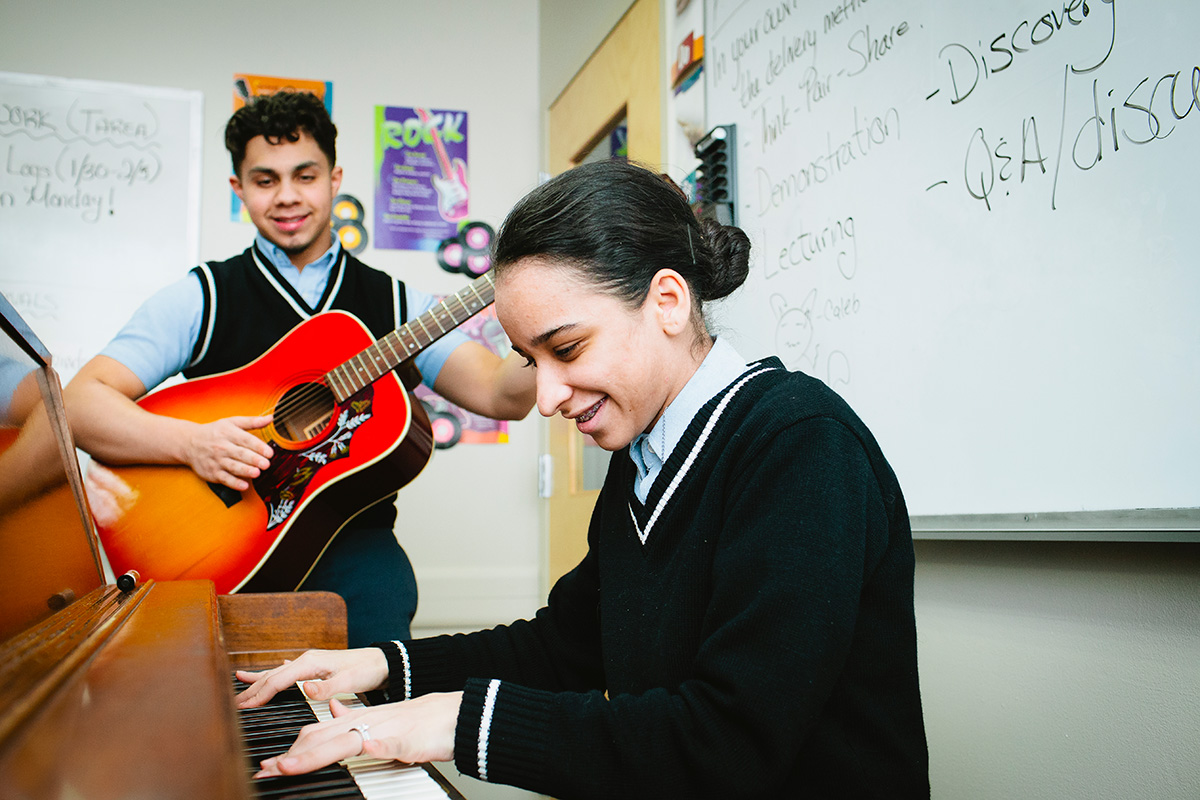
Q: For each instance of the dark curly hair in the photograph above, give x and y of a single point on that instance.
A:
(279, 116)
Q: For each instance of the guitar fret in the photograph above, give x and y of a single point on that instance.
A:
(333, 377)
(475, 292)
(399, 334)
(363, 367)
(388, 341)
(369, 365)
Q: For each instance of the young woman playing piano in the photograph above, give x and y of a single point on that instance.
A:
(742, 624)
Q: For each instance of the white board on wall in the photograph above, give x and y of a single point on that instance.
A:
(978, 223)
(99, 203)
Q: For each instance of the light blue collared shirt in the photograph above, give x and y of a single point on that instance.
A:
(159, 338)
(651, 450)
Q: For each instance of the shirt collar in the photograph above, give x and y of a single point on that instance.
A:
(720, 367)
(279, 259)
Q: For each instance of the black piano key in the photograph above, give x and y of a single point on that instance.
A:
(312, 785)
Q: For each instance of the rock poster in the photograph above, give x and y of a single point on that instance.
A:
(422, 192)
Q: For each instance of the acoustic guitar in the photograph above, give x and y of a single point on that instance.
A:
(345, 433)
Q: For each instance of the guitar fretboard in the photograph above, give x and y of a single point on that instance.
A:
(411, 338)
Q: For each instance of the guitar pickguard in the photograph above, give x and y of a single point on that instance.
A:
(291, 471)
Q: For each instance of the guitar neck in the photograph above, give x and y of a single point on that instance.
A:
(411, 338)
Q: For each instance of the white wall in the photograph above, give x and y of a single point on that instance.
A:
(1060, 670)
(470, 520)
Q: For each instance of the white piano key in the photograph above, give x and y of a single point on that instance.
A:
(380, 779)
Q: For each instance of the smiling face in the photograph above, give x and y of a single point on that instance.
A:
(288, 189)
(610, 368)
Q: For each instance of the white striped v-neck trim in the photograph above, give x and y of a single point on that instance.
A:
(644, 535)
(330, 293)
(210, 323)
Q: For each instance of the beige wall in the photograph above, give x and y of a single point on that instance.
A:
(569, 32)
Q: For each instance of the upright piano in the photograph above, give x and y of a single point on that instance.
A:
(124, 689)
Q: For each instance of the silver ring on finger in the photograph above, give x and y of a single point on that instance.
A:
(363, 731)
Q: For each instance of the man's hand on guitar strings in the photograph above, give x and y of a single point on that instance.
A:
(226, 452)
(321, 674)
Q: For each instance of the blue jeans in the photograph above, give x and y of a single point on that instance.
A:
(372, 573)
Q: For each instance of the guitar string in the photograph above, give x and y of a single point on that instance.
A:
(305, 402)
(313, 394)
(311, 398)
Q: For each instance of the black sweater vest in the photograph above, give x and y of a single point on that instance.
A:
(249, 306)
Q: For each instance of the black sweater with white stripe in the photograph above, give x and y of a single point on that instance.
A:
(761, 642)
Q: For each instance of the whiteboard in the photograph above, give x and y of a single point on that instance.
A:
(99, 203)
(979, 224)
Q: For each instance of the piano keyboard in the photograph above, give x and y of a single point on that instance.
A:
(269, 730)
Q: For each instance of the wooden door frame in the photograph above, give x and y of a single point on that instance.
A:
(622, 79)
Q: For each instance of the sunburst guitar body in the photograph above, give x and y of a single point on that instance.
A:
(345, 433)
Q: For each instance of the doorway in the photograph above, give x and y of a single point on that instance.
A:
(616, 96)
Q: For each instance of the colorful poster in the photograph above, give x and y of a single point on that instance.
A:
(421, 161)
(247, 86)
(451, 424)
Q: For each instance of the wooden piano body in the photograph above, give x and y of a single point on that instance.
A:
(107, 693)
(122, 695)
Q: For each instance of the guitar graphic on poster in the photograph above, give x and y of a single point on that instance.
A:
(346, 434)
(451, 186)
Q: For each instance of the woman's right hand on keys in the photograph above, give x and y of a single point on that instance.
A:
(321, 674)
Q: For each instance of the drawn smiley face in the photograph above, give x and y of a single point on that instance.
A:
(793, 328)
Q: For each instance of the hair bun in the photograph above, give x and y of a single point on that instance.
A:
(730, 259)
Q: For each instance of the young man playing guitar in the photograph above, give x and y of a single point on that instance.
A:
(224, 315)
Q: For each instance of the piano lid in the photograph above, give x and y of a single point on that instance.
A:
(47, 541)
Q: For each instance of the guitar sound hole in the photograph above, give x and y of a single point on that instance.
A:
(304, 411)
